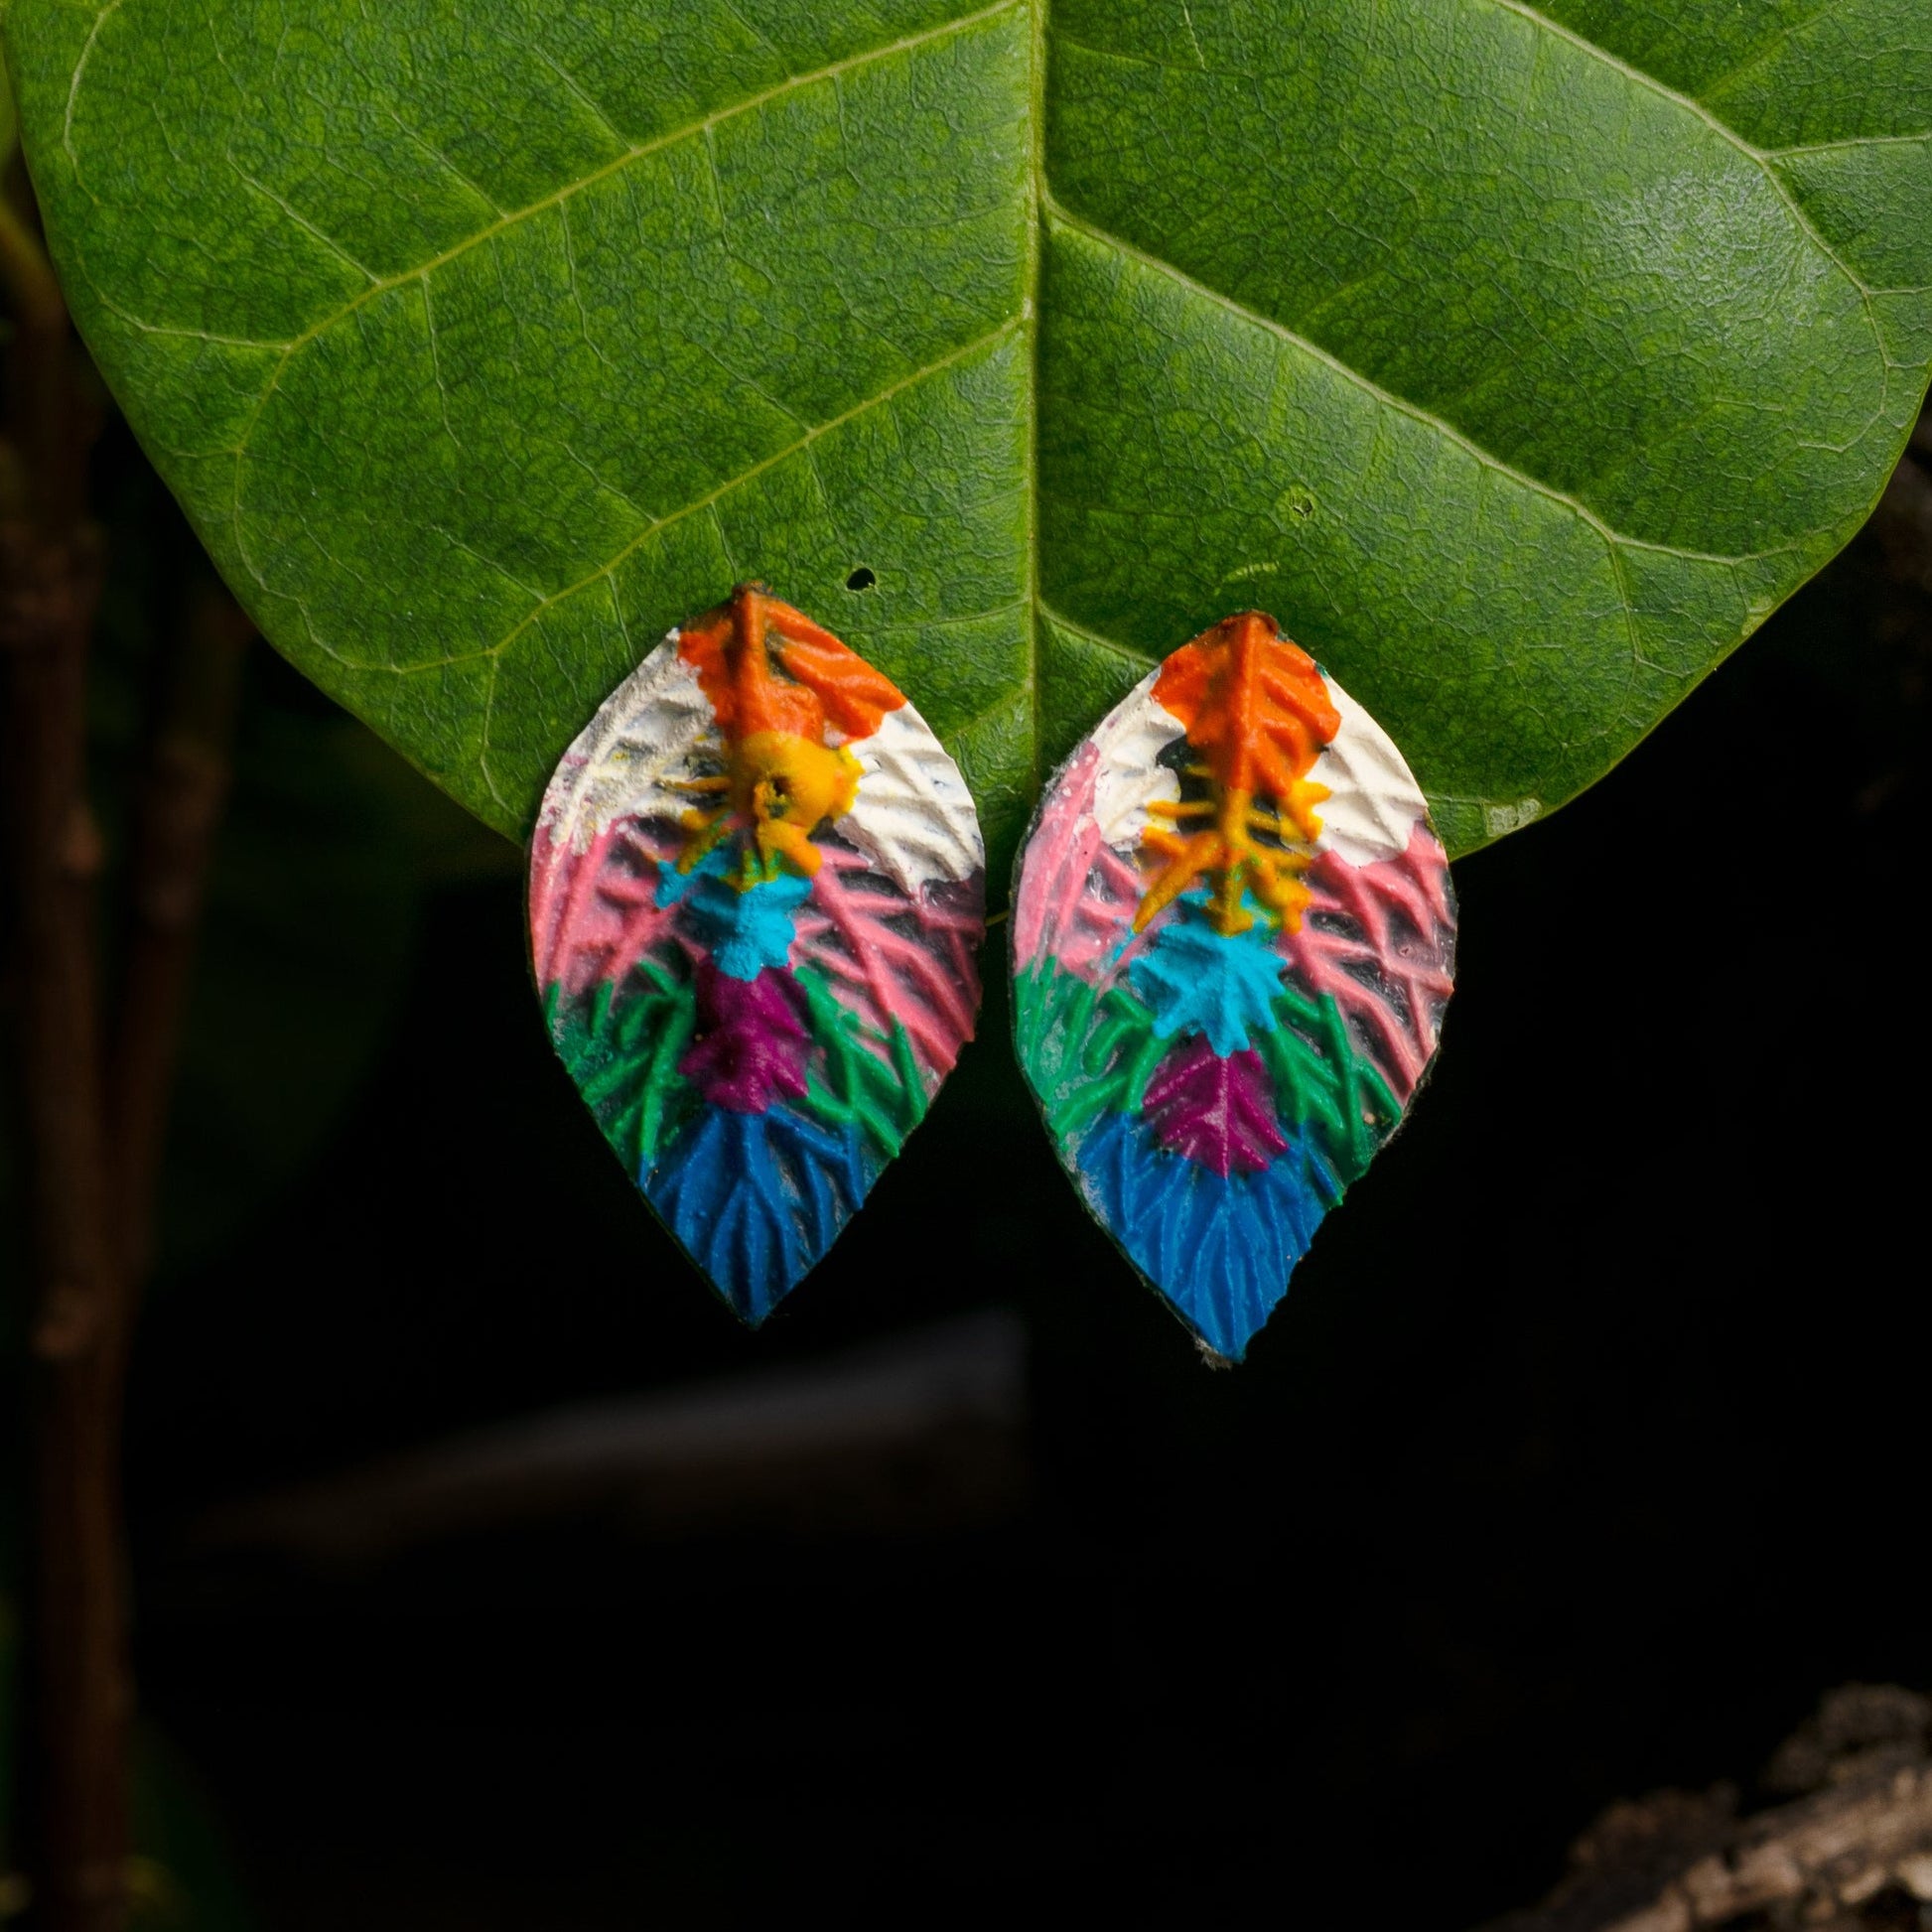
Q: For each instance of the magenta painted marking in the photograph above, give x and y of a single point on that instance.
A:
(1217, 1111)
(751, 1040)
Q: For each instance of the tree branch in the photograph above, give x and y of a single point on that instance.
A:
(182, 792)
(76, 1789)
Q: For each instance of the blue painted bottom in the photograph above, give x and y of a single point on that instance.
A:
(1219, 1248)
(758, 1198)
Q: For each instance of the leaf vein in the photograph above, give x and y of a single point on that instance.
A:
(1094, 638)
(1058, 211)
(708, 501)
(85, 55)
(1725, 131)
(514, 217)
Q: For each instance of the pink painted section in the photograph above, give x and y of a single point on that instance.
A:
(893, 960)
(594, 914)
(1381, 939)
(1060, 850)
(1077, 894)
(890, 959)
(549, 881)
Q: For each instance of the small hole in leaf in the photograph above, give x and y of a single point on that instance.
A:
(860, 579)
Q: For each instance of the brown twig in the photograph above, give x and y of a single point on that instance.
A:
(77, 1843)
(182, 792)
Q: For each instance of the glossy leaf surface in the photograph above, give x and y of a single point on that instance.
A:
(1521, 358)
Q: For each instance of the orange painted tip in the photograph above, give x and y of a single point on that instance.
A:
(1258, 711)
(1254, 703)
(766, 666)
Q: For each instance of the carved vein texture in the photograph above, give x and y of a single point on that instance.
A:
(756, 891)
(1522, 356)
(1234, 937)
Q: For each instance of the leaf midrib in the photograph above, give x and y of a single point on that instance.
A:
(1035, 250)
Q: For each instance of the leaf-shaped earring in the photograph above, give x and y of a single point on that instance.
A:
(1234, 940)
(757, 892)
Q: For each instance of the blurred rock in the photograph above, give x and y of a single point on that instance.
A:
(1852, 1854)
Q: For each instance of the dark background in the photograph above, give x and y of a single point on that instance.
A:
(1589, 1448)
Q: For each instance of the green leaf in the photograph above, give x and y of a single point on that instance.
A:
(1519, 359)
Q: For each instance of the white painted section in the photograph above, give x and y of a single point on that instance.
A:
(1373, 800)
(652, 734)
(914, 817)
(1128, 775)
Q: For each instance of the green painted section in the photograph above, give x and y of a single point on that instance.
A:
(623, 1054)
(848, 1083)
(1087, 1053)
(1324, 1082)
(623, 1051)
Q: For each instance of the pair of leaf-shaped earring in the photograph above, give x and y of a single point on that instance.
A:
(757, 891)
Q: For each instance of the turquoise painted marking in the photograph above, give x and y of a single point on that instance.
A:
(750, 931)
(672, 885)
(1196, 979)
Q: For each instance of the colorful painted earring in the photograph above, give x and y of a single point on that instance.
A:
(757, 892)
(1234, 940)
